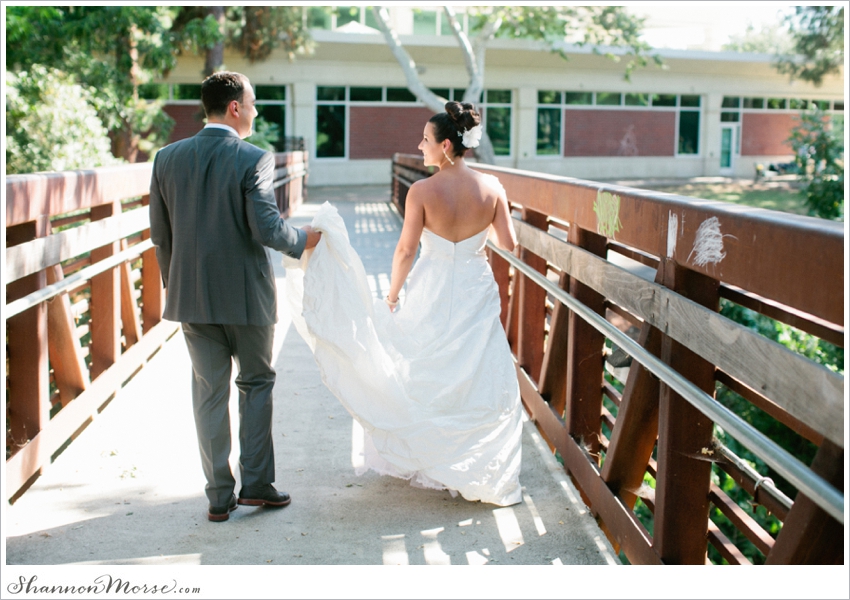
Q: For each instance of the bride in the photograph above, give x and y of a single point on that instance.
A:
(431, 380)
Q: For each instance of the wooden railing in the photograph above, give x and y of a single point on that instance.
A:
(84, 299)
(600, 263)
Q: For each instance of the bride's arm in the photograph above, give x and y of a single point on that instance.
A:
(408, 242)
(503, 226)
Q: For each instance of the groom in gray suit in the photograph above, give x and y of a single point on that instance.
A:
(213, 213)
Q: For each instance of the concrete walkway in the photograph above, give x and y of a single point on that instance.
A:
(129, 490)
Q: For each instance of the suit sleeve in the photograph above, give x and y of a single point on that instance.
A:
(161, 235)
(267, 226)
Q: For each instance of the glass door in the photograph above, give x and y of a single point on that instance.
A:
(727, 146)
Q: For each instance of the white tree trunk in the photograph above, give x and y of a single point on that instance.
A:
(473, 58)
(408, 65)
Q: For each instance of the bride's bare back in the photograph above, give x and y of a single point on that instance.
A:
(456, 203)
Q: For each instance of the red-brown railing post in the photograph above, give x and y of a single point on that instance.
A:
(553, 374)
(69, 367)
(809, 536)
(684, 439)
(635, 432)
(105, 301)
(153, 294)
(28, 408)
(532, 306)
(584, 354)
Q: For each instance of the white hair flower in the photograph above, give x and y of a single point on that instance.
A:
(471, 137)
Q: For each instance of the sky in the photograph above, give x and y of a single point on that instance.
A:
(703, 25)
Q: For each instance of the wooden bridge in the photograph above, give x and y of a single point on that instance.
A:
(611, 308)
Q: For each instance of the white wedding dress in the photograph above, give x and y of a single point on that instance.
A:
(433, 384)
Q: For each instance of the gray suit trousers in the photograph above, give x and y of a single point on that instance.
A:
(211, 348)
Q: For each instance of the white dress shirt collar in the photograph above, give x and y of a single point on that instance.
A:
(221, 126)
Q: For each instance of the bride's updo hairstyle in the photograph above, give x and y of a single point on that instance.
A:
(450, 125)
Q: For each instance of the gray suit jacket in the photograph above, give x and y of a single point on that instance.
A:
(213, 212)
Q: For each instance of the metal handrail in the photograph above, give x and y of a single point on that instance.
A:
(798, 474)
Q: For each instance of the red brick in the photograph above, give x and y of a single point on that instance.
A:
(619, 133)
(765, 134)
(188, 120)
(379, 131)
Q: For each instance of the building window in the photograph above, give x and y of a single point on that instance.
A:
(271, 106)
(688, 125)
(331, 121)
(552, 103)
(497, 119)
(424, 22)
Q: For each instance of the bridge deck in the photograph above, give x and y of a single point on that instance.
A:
(129, 490)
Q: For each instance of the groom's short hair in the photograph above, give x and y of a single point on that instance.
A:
(220, 89)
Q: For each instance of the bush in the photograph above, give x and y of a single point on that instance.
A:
(51, 125)
(818, 144)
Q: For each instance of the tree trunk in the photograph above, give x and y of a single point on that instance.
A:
(215, 55)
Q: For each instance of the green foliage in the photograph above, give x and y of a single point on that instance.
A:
(818, 145)
(50, 124)
(257, 30)
(265, 134)
(770, 39)
(606, 26)
(818, 34)
(110, 49)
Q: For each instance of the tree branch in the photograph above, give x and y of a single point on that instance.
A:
(414, 84)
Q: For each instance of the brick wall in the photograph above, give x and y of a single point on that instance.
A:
(764, 134)
(186, 121)
(379, 131)
(619, 133)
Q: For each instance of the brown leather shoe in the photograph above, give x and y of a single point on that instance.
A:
(263, 495)
(222, 513)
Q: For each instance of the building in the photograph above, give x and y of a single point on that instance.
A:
(704, 114)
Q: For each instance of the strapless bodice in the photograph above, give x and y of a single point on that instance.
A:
(437, 246)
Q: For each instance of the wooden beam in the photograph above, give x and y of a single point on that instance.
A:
(628, 532)
(39, 195)
(809, 536)
(776, 255)
(806, 390)
(69, 367)
(153, 293)
(684, 434)
(105, 302)
(584, 352)
(47, 251)
(636, 429)
(727, 549)
(28, 403)
(130, 325)
(553, 374)
(741, 520)
(532, 306)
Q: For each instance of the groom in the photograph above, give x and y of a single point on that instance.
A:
(212, 213)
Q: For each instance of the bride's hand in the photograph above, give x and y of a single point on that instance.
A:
(390, 303)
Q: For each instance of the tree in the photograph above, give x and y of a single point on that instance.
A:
(594, 25)
(115, 49)
(770, 39)
(110, 49)
(50, 124)
(818, 36)
(819, 152)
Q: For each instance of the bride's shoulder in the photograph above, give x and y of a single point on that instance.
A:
(491, 182)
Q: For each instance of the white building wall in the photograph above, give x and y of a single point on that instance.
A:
(525, 68)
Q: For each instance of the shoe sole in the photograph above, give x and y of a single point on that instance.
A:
(261, 502)
(220, 518)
